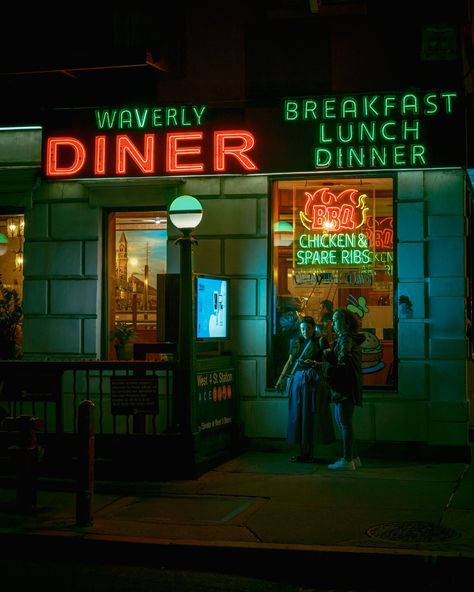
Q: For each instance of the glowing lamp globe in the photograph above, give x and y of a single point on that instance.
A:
(283, 234)
(185, 212)
(3, 244)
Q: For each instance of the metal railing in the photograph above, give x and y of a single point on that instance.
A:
(53, 390)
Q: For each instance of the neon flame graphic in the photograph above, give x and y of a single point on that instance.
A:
(380, 237)
(331, 212)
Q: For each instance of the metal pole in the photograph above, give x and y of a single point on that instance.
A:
(182, 418)
(86, 460)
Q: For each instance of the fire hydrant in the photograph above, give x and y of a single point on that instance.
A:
(26, 453)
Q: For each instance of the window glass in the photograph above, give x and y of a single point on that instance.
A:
(470, 276)
(12, 238)
(137, 256)
(332, 245)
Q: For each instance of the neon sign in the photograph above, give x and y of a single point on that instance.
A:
(149, 117)
(349, 278)
(341, 231)
(380, 235)
(366, 106)
(368, 131)
(324, 210)
(67, 156)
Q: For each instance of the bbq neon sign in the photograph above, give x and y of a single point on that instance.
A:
(325, 210)
(338, 230)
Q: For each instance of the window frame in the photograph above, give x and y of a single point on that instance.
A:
(109, 254)
(272, 294)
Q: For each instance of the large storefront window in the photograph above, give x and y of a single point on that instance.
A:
(137, 259)
(12, 238)
(333, 247)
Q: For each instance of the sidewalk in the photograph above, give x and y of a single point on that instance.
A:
(261, 505)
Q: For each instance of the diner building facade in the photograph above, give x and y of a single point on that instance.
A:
(381, 230)
(331, 160)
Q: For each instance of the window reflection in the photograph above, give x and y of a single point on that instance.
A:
(137, 254)
(12, 231)
(333, 247)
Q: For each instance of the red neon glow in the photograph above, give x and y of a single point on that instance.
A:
(174, 152)
(99, 161)
(327, 211)
(145, 163)
(222, 149)
(182, 153)
(382, 234)
(79, 156)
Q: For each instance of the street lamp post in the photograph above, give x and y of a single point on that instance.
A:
(185, 213)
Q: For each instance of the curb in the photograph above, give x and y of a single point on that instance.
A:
(330, 565)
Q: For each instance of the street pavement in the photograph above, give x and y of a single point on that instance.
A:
(390, 523)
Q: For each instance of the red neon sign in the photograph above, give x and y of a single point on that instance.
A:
(327, 211)
(71, 146)
(382, 234)
(174, 150)
(223, 149)
(182, 153)
(99, 162)
(145, 162)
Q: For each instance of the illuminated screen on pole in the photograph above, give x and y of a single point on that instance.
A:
(212, 307)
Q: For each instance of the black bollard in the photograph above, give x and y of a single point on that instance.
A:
(27, 455)
(86, 460)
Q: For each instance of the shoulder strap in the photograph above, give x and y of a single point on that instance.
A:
(300, 357)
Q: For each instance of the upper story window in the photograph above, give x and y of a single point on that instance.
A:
(332, 246)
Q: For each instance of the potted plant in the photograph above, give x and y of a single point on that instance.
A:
(11, 316)
(122, 336)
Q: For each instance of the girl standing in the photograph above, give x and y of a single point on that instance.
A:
(344, 374)
(309, 413)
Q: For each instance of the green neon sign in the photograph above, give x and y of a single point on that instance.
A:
(150, 117)
(370, 131)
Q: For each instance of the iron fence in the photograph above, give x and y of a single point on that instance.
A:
(53, 390)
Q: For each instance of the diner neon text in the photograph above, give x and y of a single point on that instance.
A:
(67, 156)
